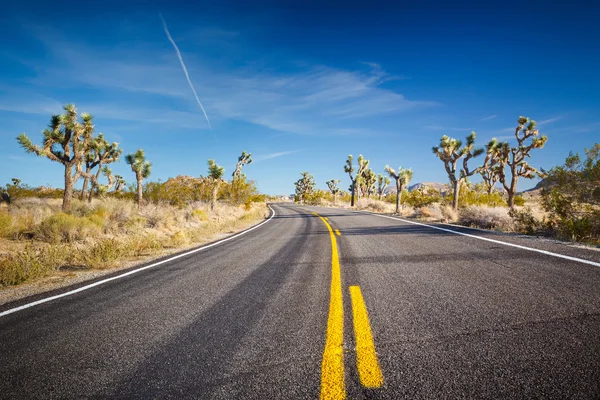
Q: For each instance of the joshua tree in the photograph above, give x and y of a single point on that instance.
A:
(333, 188)
(514, 157)
(101, 153)
(382, 182)
(489, 170)
(215, 174)
(402, 178)
(245, 158)
(450, 152)
(142, 170)
(369, 181)
(119, 183)
(349, 169)
(66, 141)
(305, 186)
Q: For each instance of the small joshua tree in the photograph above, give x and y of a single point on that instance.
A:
(382, 182)
(489, 170)
(450, 151)
(215, 174)
(513, 158)
(369, 181)
(101, 153)
(142, 170)
(245, 158)
(349, 169)
(66, 141)
(119, 183)
(333, 188)
(402, 178)
(305, 186)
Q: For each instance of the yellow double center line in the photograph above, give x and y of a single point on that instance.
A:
(332, 367)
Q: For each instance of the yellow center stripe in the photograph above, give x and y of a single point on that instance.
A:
(332, 367)
(337, 232)
(366, 358)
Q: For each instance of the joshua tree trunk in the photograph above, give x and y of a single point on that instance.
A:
(84, 187)
(213, 197)
(94, 184)
(68, 195)
(353, 193)
(398, 195)
(456, 190)
(140, 189)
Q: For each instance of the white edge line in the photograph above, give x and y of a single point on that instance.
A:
(135, 271)
(549, 253)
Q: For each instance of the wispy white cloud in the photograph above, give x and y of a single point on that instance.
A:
(140, 84)
(270, 156)
(187, 75)
(488, 118)
(548, 121)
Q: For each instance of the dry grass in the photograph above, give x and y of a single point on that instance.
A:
(486, 218)
(38, 240)
(373, 205)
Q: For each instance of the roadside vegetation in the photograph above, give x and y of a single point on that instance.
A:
(566, 207)
(106, 223)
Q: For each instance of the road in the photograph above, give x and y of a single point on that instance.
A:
(393, 310)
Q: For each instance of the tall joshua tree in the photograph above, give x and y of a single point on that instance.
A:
(101, 153)
(245, 158)
(382, 182)
(450, 151)
(349, 169)
(402, 178)
(215, 174)
(333, 188)
(142, 170)
(305, 186)
(513, 158)
(66, 140)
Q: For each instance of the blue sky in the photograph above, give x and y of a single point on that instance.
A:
(298, 84)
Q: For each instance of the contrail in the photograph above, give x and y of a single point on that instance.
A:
(184, 68)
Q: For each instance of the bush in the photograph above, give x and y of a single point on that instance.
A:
(6, 229)
(432, 212)
(31, 263)
(571, 196)
(519, 201)
(68, 228)
(486, 218)
(420, 197)
(199, 215)
(525, 222)
(102, 254)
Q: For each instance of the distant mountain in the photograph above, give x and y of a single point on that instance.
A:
(426, 185)
(421, 185)
(540, 185)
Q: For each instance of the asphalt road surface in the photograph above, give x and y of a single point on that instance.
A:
(396, 310)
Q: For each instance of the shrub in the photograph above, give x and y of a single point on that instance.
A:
(571, 196)
(6, 228)
(525, 222)
(486, 217)
(102, 254)
(30, 263)
(449, 214)
(199, 215)
(519, 201)
(63, 227)
(432, 212)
